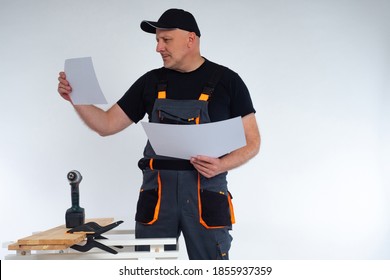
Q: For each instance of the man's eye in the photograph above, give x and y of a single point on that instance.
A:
(165, 40)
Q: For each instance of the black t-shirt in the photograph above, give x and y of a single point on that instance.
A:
(230, 98)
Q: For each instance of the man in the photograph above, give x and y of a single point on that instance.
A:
(178, 196)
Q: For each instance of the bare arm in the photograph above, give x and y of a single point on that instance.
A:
(103, 122)
(210, 167)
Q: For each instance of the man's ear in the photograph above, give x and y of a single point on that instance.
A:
(191, 38)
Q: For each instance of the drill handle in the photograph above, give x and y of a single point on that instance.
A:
(75, 195)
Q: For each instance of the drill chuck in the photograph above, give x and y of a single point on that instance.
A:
(74, 177)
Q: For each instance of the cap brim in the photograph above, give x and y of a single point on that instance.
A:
(151, 26)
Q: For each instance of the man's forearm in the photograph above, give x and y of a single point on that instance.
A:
(104, 122)
(240, 156)
(94, 117)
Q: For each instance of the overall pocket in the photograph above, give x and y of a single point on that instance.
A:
(174, 111)
(215, 207)
(148, 205)
(168, 118)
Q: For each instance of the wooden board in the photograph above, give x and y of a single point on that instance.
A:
(56, 238)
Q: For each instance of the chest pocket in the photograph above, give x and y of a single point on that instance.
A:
(179, 112)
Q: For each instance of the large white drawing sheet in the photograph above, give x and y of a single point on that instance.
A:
(185, 141)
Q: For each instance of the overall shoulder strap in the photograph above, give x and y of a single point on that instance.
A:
(208, 89)
(162, 83)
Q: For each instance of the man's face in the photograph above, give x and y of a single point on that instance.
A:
(173, 47)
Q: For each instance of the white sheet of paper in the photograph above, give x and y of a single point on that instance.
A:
(82, 78)
(185, 141)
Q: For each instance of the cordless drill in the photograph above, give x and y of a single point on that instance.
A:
(75, 216)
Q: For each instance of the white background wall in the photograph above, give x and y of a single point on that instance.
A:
(318, 72)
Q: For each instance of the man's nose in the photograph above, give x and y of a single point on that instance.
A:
(159, 47)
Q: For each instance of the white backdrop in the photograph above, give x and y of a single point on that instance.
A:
(318, 72)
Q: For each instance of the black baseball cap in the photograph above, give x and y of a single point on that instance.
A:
(172, 19)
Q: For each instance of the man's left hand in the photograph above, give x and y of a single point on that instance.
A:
(207, 166)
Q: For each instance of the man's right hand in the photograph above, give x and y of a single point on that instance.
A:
(64, 88)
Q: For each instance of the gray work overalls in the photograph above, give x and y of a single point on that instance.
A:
(174, 197)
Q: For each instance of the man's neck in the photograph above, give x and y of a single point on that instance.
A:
(193, 64)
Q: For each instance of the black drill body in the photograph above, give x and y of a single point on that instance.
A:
(75, 216)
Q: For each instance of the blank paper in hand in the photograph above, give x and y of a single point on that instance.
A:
(185, 141)
(82, 78)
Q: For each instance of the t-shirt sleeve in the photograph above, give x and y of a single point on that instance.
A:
(131, 102)
(241, 104)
